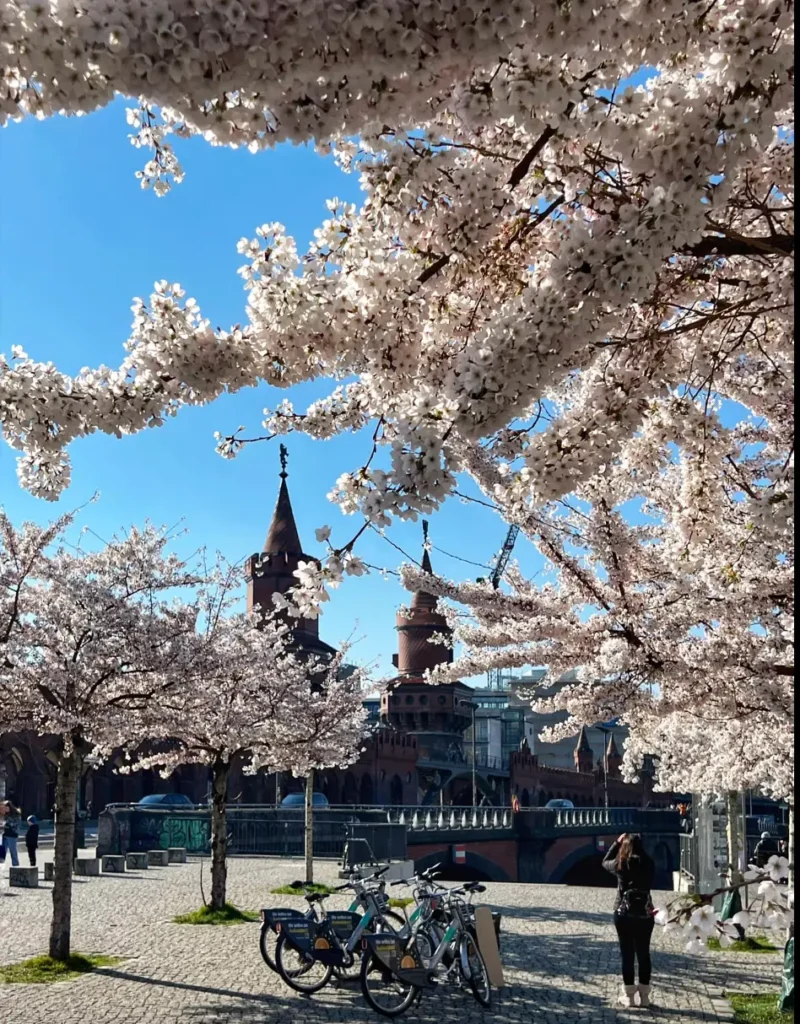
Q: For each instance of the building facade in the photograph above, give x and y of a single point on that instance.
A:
(420, 751)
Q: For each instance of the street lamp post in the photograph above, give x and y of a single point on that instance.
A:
(604, 732)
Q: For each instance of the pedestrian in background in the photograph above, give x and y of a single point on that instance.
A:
(11, 827)
(766, 847)
(634, 913)
(32, 839)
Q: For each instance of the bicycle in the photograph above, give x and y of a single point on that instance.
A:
(395, 971)
(312, 948)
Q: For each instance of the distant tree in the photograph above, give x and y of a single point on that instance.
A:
(244, 697)
(90, 639)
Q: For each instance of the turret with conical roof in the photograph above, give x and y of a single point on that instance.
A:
(272, 571)
(415, 628)
(613, 756)
(435, 715)
(584, 758)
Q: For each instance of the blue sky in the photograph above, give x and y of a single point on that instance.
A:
(78, 240)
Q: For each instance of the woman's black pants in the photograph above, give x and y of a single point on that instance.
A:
(634, 934)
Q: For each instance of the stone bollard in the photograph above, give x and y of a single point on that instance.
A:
(157, 858)
(177, 854)
(136, 861)
(87, 866)
(49, 871)
(25, 878)
(112, 864)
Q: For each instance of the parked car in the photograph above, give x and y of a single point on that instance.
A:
(299, 800)
(165, 800)
(559, 803)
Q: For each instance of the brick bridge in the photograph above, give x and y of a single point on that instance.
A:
(493, 844)
(538, 844)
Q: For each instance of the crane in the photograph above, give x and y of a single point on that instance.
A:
(501, 564)
(493, 676)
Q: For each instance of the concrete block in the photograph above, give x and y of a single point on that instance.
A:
(25, 878)
(87, 866)
(157, 858)
(49, 871)
(112, 864)
(136, 861)
(177, 854)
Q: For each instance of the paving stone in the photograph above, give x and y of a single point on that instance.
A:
(558, 946)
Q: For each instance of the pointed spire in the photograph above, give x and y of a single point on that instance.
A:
(583, 746)
(283, 537)
(421, 598)
(611, 749)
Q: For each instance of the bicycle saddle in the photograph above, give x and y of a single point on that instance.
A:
(475, 887)
(316, 897)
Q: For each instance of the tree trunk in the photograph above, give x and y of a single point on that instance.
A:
(309, 829)
(790, 847)
(60, 925)
(219, 833)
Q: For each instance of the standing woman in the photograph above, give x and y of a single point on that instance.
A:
(633, 913)
(11, 832)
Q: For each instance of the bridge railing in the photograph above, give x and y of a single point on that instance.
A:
(449, 819)
(548, 820)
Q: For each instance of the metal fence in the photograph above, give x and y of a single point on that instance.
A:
(250, 830)
(689, 865)
(279, 831)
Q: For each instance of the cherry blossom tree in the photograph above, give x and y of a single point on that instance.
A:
(92, 637)
(573, 288)
(679, 622)
(244, 697)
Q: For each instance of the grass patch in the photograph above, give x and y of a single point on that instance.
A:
(298, 890)
(403, 901)
(759, 1009)
(40, 970)
(228, 915)
(750, 944)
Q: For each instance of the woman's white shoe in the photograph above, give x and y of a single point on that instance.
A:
(626, 995)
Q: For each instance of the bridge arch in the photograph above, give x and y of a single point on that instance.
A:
(586, 858)
(474, 869)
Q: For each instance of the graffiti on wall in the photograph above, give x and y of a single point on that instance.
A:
(162, 831)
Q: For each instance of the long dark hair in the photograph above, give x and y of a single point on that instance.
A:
(631, 848)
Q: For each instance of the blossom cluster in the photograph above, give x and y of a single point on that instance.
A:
(771, 910)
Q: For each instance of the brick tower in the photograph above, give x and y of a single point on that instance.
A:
(271, 571)
(584, 758)
(436, 715)
(613, 756)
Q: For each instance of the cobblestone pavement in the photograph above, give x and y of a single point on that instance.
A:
(558, 948)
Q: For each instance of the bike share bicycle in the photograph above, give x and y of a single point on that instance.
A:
(441, 947)
(311, 947)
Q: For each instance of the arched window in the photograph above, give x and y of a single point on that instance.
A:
(366, 790)
(396, 790)
(350, 793)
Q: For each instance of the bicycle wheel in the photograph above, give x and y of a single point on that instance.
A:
(299, 970)
(267, 943)
(391, 920)
(473, 967)
(384, 992)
